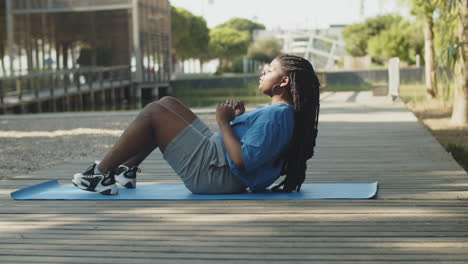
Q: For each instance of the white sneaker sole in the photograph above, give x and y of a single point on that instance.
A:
(106, 190)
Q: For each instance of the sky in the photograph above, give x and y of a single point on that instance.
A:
(290, 14)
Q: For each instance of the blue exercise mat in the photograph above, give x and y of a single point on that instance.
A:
(53, 190)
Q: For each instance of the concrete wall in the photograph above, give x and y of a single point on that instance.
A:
(348, 78)
(356, 78)
(216, 82)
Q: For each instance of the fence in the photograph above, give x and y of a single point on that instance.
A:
(35, 88)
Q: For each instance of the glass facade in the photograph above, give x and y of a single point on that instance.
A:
(53, 35)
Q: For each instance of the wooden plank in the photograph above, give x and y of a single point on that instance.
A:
(126, 260)
(420, 214)
(167, 241)
(336, 255)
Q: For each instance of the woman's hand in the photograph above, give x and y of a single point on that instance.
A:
(224, 114)
(237, 105)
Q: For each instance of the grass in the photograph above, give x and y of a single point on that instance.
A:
(435, 115)
(343, 87)
(413, 93)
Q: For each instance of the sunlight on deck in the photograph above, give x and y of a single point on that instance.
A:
(60, 133)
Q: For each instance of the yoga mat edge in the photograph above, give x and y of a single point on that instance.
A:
(53, 190)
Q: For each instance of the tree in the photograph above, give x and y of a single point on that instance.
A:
(460, 106)
(228, 43)
(243, 24)
(264, 50)
(424, 9)
(200, 39)
(180, 22)
(190, 35)
(3, 45)
(399, 40)
(357, 36)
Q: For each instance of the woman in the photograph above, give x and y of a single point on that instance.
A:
(251, 150)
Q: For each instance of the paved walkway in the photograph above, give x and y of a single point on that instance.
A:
(420, 214)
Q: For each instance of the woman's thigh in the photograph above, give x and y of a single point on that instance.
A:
(167, 122)
(180, 114)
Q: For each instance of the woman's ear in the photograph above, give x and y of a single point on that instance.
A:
(285, 81)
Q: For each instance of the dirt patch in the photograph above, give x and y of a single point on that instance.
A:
(28, 145)
(436, 117)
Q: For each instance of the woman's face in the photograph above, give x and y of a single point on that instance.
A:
(271, 76)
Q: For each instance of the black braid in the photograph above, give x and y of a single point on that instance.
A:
(305, 93)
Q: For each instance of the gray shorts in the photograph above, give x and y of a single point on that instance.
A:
(197, 157)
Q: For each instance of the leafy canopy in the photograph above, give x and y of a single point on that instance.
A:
(242, 24)
(401, 39)
(190, 34)
(357, 36)
(228, 43)
(264, 50)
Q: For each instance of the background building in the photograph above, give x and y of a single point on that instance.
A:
(323, 47)
(63, 35)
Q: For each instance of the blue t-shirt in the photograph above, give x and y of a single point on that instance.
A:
(264, 135)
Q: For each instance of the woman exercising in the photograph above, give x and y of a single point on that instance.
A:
(251, 150)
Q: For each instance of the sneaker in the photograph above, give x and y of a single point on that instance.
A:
(126, 176)
(101, 183)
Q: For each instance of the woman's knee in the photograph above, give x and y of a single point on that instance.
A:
(173, 104)
(153, 110)
(168, 100)
(165, 101)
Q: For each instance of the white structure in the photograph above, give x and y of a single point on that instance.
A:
(323, 47)
(394, 78)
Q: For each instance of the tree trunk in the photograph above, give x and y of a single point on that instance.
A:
(36, 52)
(4, 73)
(431, 81)
(460, 104)
(65, 46)
(57, 55)
(2, 59)
(182, 64)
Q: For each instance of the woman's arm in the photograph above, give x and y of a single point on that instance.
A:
(225, 114)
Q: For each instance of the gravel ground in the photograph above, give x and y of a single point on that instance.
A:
(27, 145)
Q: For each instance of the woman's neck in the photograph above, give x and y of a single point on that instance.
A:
(281, 100)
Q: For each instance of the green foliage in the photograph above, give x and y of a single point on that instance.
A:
(445, 34)
(242, 24)
(399, 40)
(190, 35)
(357, 36)
(180, 20)
(228, 43)
(3, 37)
(200, 38)
(264, 50)
(423, 8)
(208, 96)
(347, 87)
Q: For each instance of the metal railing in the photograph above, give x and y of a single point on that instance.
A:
(48, 85)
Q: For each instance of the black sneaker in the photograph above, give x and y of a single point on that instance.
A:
(101, 183)
(126, 176)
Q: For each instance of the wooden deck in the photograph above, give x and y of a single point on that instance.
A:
(419, 216)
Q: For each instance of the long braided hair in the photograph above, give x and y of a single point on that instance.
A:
(305, 93)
